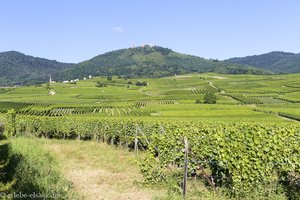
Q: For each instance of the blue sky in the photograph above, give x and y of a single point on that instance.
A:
(76, 30)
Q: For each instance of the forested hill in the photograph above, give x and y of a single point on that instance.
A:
(147, 61)
(19, 69)
(276, 61)
(152, 61)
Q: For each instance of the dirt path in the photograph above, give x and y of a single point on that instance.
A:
(212, 85)
(99, 171)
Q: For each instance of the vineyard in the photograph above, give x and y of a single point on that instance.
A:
(65, 111)
(246, 100)
(157, 102)
(240, 156)
(245, 143)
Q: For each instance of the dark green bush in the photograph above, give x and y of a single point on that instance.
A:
(198, 101)
(210, 98)
(101, 84)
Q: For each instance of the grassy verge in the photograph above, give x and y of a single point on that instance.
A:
(101, 171)
(36, 172)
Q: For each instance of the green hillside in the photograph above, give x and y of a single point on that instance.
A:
(150, 61)
(19, 69)
(288, 65)
(240, 97)
(277, 62)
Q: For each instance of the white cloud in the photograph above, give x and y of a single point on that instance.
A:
(117, 29)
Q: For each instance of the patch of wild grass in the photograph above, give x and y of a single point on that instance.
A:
(36, 171)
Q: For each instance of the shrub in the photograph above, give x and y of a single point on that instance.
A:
(101, 84)
(139, 83)
(198, 101)
(109, 78)
(210, 98)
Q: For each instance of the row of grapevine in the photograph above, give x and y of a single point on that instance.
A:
(4, 106)
(271, 100)
(67, 111)
(202, 91)
(287, 100)
(153, 102)
(208, 88)
(226, 99)
(245, 99)
(152, 93)
(239, 156)
(39, 110)
(198, 91)
(293, 84)
(290, 116)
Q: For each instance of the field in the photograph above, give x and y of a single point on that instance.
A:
(238, 97)
(244, 143)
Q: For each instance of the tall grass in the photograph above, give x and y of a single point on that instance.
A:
(36, 171)
(5, 183)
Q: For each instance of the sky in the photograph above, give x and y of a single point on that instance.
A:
(77, 30)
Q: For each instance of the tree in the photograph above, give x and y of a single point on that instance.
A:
(210, 98)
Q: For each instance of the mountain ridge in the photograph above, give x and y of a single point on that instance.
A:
(144, 61)
(275, 61)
